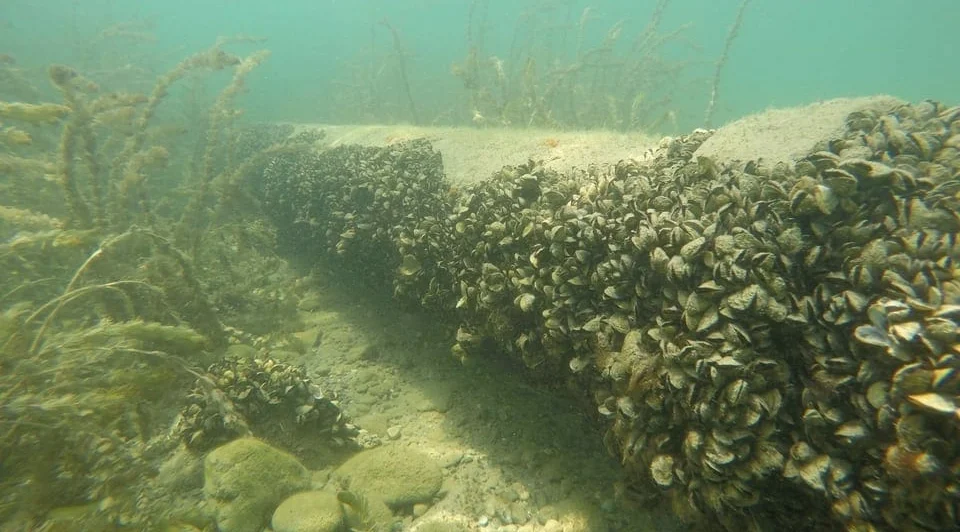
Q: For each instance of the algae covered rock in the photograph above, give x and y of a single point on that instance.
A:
(365, 512)
(399, 476)
(308, 511)
(246, 479)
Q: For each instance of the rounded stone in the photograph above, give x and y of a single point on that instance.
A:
(308, 511)
(552, 525)
(373, 514)
(400, 476)
(246, 479)
(393, 432)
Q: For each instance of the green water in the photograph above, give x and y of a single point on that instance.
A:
(785, 53)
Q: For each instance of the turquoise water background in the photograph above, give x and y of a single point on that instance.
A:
(786, 53)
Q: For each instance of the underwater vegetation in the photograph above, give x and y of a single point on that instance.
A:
(113, 296)
(769, 345)
(551, 75)
(612, 84)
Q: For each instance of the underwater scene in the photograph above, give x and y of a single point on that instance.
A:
(479, 265)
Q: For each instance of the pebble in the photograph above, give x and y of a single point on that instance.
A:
(548, 513)
(370, 352)
(483, 521)
(393, 432)
(552, 526)
(453, 459)
(368, 440)
(522, 492)
(519, 514)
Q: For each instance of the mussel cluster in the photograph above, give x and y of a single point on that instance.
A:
(879, 427)
(259, 137)
(352, 201)
(761, 338)
(240, 396)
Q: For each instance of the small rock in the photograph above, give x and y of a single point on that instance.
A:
(579, 515)
(503, 514)
(548, 513)
(308, 511)
(246, 479)
(552, 525)
(448, 485)
(375, 423)
(310, 303)
(367, 440)
(370, 352)
(393, 432)
(453, 459)
(483, 521)
(519, 513)
(310, 338)
(490, 505)
(420, 509)
(372, 514)
(366, 375)
(182, 471)
(439, 400)
(522, 492)
(399, 475)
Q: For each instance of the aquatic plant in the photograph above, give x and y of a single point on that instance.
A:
(549, 76)
(374, 85)
(13, 82)
(357, 511)
(540, 83)
(718, 69)
(402, 67)
(105, 319)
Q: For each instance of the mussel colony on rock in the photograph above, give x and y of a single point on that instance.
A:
(756, 335)
(260, 397)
